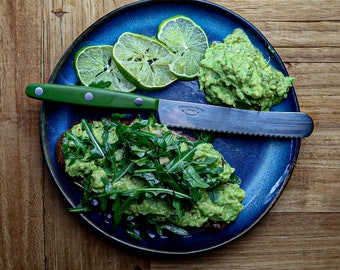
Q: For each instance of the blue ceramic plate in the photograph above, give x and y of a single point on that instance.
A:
(263, 164)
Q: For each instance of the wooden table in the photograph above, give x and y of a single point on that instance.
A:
(302, 231)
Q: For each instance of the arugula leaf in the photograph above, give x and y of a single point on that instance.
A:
(97, 150)
(234, 179)
(172, 228)
(195, 194)
(126, 169)
(116, 209)
(179, 162)
(148, 176)
(80, 147)
(169, 180)
(213, 195)
(194, 179)
(177, 204)
(100, 84)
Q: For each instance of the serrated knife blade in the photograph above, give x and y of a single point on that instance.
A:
(183, 114)
(237, 121)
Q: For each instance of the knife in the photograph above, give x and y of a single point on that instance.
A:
(183, 114)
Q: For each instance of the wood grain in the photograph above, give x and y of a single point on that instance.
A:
(302, 231)
(289, 247)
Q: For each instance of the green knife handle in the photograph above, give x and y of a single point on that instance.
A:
(90, 96)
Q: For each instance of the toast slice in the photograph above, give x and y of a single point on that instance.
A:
(174, 204)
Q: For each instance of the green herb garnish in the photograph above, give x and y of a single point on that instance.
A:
(143, 171)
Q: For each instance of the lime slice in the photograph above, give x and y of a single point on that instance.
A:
(95, 67)
(144, 61)
(188, 41)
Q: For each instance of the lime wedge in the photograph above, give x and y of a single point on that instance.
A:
(94, 67)
(144, 61)
(188, 41)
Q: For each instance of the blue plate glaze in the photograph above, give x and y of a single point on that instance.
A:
(264, 164)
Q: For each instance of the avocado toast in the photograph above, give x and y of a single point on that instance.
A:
(140, 171)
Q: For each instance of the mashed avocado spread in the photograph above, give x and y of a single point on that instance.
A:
(144, 170)
(235, 73)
